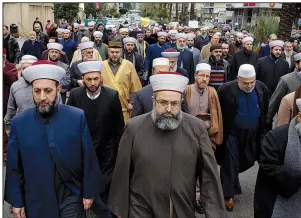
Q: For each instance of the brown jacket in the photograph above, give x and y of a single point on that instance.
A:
(216, 119)
(286, 110)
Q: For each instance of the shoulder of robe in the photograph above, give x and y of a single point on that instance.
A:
(194, 123)
(135, 123)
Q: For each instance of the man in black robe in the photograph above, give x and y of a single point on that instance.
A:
(134, 57)
(269, 69)
(244, 104)
(245, 56)
(161, 154)
(104, 116)
(277, 190)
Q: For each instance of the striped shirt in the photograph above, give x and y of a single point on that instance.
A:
(217, 75)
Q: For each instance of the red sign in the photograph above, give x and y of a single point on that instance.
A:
(250, 4)
(97, 6)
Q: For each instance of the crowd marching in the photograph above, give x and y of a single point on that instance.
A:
(142, 122)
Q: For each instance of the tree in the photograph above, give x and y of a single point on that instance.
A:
(67, 11)
(170, 11)
(90, 8)
(264, 27)
(287, 18)
(192, 11)
(123, 10)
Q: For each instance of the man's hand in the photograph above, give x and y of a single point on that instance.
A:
(130, 106)
(7, 132)
(87, 203)
(80, 83)
(19, 212)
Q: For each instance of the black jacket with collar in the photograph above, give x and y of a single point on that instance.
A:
(229, 99)
(13, 50)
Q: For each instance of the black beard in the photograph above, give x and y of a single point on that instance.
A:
(238, 43)
(53, 60)
(190, 46)
(97, 43)
(247, 52)
(161, 43)
(48, 112)
(273, 56)
(91, 91)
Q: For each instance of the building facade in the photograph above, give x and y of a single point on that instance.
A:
(24, 14)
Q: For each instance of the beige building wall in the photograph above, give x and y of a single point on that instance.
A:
(24, 14)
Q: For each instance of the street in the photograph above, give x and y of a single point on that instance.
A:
(243, 203)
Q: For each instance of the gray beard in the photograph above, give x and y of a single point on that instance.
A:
(164, 122)
(173, 69)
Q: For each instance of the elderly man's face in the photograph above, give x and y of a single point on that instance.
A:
(181, 42)
(276, 51)
(215, 39)
(45, 93)
(167, 110)
(129, 47)
(92, 81)
(225, 48)
(160, 68)
(114, 54)
(202, 78)
(37, 27)
(87, 53)
(32, 36)
(288, 47)
(246, 84)
(53, 54)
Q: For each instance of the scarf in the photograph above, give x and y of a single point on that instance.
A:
(291, 207)
(140, 48)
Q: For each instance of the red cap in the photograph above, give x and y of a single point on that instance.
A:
(174, 73)
(170, 50)
(4, 51)
(43, 62)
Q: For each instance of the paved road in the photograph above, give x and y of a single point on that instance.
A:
(243, 203)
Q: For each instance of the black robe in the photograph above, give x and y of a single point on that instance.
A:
(241, 58)
(272, 178)
(105, 123)
(269, 71)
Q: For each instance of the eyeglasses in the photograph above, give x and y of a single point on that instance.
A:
(164, 103)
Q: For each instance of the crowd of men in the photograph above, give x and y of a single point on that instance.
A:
(151, 122)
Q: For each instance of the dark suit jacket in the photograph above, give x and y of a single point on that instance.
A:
(75, 74)
(143, 102)
(188, 64)
(139, 64)
(182, 72)
(111, 124)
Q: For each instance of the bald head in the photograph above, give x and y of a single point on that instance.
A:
(215, 38)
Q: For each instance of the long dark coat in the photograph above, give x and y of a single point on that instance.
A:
(228, 97)
(269, 71)
(239, 59)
